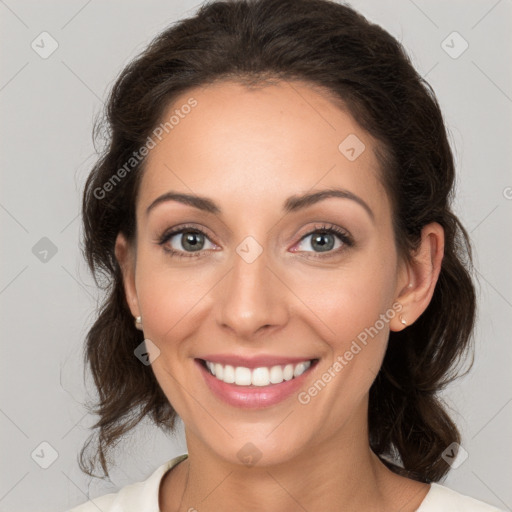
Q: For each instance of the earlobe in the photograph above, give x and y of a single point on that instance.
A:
(126, 260)
(422, 275)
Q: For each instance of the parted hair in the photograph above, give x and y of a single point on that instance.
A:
(332, 46)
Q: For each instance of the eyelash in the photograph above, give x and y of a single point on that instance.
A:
(323, 229)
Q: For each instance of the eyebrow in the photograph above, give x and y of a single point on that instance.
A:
(292, 204)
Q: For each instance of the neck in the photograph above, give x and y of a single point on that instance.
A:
(341, 470)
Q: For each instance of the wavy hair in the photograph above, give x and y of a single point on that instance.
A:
(331, 46)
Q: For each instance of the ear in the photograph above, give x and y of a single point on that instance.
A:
(418, 278)
(125, 255)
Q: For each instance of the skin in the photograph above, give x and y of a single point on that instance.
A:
(249, 150)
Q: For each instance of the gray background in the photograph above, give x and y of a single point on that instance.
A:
(47, 107)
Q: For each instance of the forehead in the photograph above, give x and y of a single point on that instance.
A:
(254, 146)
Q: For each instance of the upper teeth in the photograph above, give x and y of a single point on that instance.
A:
(263, 376)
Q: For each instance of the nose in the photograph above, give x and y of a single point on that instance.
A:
(251, 300)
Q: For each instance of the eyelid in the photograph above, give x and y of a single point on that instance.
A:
(180, 228)
(326, 227)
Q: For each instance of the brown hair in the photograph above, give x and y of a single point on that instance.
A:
(332, 46)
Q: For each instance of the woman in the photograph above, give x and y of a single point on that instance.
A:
(283, 268)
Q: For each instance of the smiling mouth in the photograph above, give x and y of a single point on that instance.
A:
(257, 377)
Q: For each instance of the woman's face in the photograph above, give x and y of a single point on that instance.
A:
(257, 281)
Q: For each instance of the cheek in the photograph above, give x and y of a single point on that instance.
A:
(168, 307)
(348, 301)
(352, 315)
(169, 297)
(352, 309)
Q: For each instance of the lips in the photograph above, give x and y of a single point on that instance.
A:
(254, 382)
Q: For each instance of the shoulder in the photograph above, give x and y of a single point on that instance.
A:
(444, 499)
(137, 497)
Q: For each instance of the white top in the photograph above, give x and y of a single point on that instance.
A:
(143, 497)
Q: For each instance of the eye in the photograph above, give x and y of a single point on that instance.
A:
(185, 242)
(325, 239)
(188, 241)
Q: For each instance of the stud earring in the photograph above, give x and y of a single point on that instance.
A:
(402, 321)
(138, 322)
